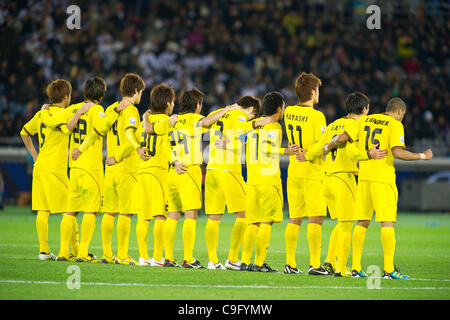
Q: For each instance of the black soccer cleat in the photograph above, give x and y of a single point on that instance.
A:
(289, 270)
(264, 268)
(194, 265)
(320, 271)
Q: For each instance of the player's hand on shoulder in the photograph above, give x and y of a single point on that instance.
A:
(173, 119)
(376, 153)
(45, 106)
(85, 107)
(232, 107)
(110, 161)
(123, 104)
(76, 153)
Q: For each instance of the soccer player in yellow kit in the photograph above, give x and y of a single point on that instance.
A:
(50, 181)
(304, 127)
(86, 167)
(377, 189)
(120, 172)
(185, 175)
(224, 184)
(152, 173)
(340, 183)
(264, 191)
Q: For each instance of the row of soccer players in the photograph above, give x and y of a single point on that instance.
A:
(139, 154)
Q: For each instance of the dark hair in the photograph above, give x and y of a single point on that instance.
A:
(356, 102)
(130, 83)
(160, 96)
(271, 102)
(249, 101)
(394, 104)
(94, 89)
(58, 89)
(189, 100)
(304, 85)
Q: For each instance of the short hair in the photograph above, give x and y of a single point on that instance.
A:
(94, 89)
(160, 96)
(394, 104)
(271, 102)
(250, 101)
(58, 89)
(356, 102)
(189, 100)
(305, 84)
(130, 83)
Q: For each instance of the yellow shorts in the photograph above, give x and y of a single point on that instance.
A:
(49, 191)
(305, 198)
(116, 195)
(224, 189)
(264, 203)
(85, 190)
(150, 193)
(340, 195)
(185, 190)
(378, 196)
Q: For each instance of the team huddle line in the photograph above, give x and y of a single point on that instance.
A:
(153, 171)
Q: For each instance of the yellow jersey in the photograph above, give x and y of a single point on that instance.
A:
(263, 155)
(93, 120)
(371, 130)
(231, 125)
(186, 139)
(305, 127)
(53, 142)
(117, 143)
(157, 143)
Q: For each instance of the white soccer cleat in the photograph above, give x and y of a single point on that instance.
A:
(155, 263)
(143, 262)
(233, 265)
(215, 266)
(46, 256)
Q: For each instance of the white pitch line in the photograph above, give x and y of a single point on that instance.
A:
(214, 286)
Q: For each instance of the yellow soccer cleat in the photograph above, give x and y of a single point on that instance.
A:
(127, 261)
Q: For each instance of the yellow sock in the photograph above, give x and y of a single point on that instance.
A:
(388, 243)
(74, 242)
(142, 235)
(332, 245)
(343, 245)
(314, 236)
(237, 234)
(107, 231)
(42, 231)
(249, 242)
(290, 238)
(212, 239)
(262, 243)
(123, 236)
(359, 234)
(66, 230)
(170, 226)
(158, 239)
(87, 230)
(189, 226)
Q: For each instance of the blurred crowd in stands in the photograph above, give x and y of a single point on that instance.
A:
(233, 48)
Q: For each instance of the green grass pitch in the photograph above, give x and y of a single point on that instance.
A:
(423, 252)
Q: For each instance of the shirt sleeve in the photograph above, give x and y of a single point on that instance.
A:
(131, 117)
(102, 122)
(352, 130)
(397, 136)
(315, 150)
(31, 127)
(320, 126)
(355, 153)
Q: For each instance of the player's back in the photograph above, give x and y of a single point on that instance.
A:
(53, 143)
(186, 139)
(157, 143)
(370, 131)
(304, 127)
(262, 155)
(339, 159)
(230, 125)
(116, 139)
(92, 120)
